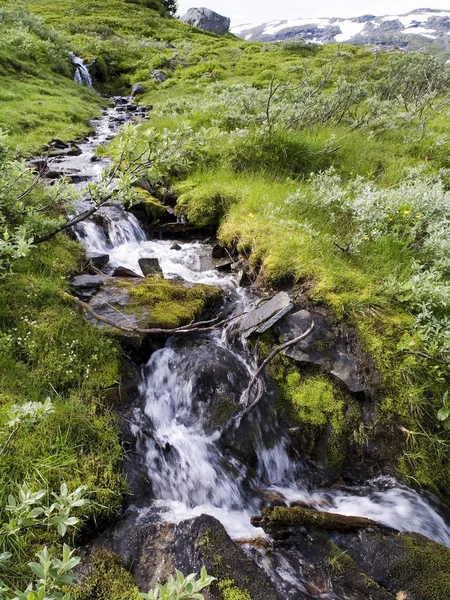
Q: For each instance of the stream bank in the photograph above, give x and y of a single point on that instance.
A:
(185, 389)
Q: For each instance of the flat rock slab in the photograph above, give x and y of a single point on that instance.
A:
(85, 286)
(272, 310)
(325, 347)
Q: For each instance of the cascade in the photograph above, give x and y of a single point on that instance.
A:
(82, 74)
(190, 471)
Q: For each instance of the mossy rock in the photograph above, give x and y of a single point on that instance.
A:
(106, 579)
(150, 303)
(424, 571)
(169, 303)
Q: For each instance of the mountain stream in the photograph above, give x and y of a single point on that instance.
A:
(190, 470)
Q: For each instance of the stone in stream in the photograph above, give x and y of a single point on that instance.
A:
(125, 272)
(175, 246)
(150, 266)
(326, 347)
(219, 251)
(223, 264)
(137, 89)
(99, 261)
(85, 286)
(270, 311)
(153, 550)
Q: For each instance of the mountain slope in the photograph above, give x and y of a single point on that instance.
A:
(417, 30)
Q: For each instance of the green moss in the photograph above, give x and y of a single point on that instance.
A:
(107, 580)
(205, 204)
(314, 400)
(230, 591)
(171, 303)
(425, 571)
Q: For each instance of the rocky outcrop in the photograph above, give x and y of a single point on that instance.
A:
(326, 348)
(208, 20)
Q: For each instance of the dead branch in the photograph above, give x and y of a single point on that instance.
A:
(199, 327)
(256, 379)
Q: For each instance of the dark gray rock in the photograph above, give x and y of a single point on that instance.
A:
(124, 272)
(219, 251)
(175, 246)
(150, 266)
(159, 76)
(208, 20)
(136, 90)
(325, 347)
(85, 286)
(223, 264)
(99, 261)
(153, 550)
(275, 307)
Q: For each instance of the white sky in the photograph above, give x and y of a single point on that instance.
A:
(261, 11)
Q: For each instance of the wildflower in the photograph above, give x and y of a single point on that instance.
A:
(251, 215)
(418, 216)
(406, 212)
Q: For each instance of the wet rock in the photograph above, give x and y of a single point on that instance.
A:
(137, 89)
(325, 347)
(406, 561)
(208, 20)
(159, 76)
(99, 261)
(57, 143)
(85, 286)
(150, 266)
(270, 311)
(154, 550)
(275, 519)
(175, 228)
(272, 498)
(217, 379)
(175, 246)
(219, 251)
(223, 264)
(39, 164)
(125, 272)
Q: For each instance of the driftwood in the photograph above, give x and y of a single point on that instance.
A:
(279, 518)
(256, 379)
(193, 327)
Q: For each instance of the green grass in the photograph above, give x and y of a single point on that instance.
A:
(47, 349)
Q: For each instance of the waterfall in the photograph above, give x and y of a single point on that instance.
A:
(82, 74)
(176, 414)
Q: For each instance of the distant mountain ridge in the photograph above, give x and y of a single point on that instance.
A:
(420, 29)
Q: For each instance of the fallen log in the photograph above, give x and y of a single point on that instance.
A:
(274, 519)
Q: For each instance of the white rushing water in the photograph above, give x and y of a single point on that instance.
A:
(82, 74)
(190, 471)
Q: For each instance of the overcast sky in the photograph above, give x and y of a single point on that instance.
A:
(260, 11)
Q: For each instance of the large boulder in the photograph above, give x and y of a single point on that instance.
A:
(153, 550)
(208, 20)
